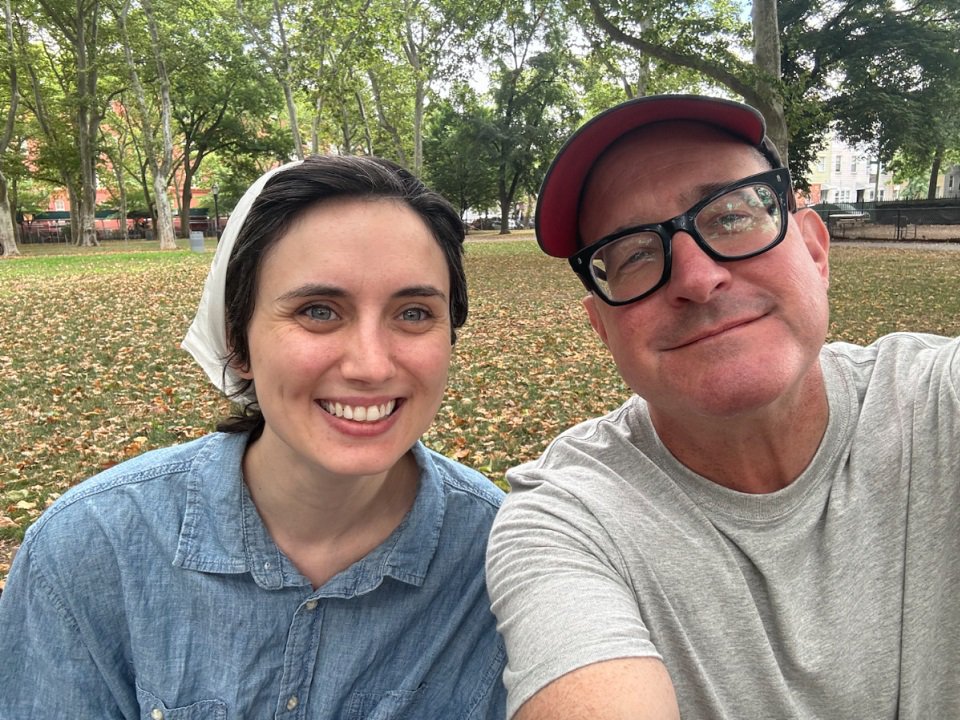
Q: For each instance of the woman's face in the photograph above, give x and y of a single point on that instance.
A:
(350, 338)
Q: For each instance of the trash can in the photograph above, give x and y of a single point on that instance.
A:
(196, 240)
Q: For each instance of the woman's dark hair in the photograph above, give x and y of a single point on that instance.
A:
(284, 198)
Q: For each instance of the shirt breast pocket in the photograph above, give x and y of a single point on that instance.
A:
(393, 705)
(152, 708)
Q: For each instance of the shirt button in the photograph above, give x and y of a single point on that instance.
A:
(156, 714)
(267, 565)
(292, 702)
(311, 605)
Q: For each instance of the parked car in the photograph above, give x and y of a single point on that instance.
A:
(840, 212)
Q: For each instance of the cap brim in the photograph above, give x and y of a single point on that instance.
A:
(559, 199)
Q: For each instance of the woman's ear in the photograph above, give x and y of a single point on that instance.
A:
(242, 369)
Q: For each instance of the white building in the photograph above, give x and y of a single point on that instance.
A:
(844, 174)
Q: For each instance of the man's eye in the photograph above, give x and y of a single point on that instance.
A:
(734, 223)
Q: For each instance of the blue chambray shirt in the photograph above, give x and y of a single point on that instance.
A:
(154, 591)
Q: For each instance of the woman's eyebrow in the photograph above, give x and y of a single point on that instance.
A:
(420, 291)
(314, 289)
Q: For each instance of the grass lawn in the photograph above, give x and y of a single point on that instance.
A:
(91, 372)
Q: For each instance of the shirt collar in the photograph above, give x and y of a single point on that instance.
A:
(223, 533)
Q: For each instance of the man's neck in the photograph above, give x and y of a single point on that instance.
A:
(760, 452)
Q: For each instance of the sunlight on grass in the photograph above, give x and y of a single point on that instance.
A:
(91, 372)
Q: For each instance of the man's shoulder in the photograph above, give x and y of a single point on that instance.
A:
(897, 355)
(627, 425)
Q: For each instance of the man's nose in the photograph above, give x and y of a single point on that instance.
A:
(694, 275)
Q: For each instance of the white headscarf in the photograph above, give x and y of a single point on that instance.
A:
(206, 339)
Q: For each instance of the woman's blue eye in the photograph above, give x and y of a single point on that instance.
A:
(320, 312)
(414, 314)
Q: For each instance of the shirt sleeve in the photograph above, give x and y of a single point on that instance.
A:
(47, 670)
(560, 592)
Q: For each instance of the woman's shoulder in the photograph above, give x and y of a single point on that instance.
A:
(457, 478)
(150, 477)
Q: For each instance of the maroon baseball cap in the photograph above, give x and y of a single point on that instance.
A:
(558, 206)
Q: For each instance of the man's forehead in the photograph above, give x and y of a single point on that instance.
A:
(678, 159)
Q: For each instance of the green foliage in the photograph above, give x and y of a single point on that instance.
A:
(533, 108)
(458, 161)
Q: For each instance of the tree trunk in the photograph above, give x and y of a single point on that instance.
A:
(385, 123)
(74, 216)
(164, 214)
(118, 174)
(766, 58)
(935, 172)
(286, 73)
(158, 169)
(8, 231)
(88, 122)
(418, 101)
(8, 239)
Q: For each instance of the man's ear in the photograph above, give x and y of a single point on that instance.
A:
(816, 237)
(591, 305)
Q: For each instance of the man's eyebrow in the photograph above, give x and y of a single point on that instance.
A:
(322, 289)
(698, 193)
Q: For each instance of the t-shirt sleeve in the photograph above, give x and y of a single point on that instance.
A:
(560, 591)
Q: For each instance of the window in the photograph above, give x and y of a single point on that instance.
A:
(853, 164)
(950, 182)
(58, 204)
(821, 163)
(836, 164)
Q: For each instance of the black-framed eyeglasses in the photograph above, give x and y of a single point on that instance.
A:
(739, 221)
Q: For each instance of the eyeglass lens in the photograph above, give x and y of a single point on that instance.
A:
(736, 224)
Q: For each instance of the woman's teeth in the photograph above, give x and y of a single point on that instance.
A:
(359, 413)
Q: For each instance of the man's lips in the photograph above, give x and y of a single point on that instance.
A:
(711, 332)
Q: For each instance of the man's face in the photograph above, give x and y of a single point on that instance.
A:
(719, 339)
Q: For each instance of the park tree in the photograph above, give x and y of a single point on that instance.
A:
(900, 94)
(266, 24)
(75, 54)
(53, 154)
(709, 38)
(335, 50)
(793, 60)
(459, 162)
(221, 102)
(8, 63)
(436, 36)
(533, 106)
(158, 151)
(116, 144)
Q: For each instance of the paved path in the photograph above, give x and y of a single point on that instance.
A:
(899, 245)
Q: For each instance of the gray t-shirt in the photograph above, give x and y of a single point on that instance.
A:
(836, 597)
